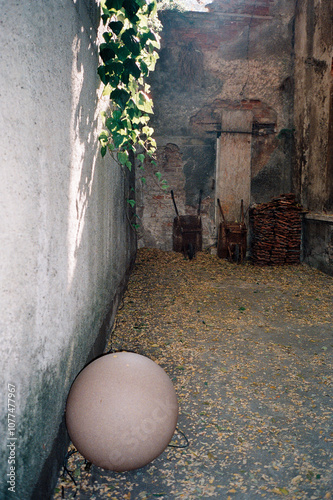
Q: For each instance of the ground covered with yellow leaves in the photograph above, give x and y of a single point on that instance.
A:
(249, 351)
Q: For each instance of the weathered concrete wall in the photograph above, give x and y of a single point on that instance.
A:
(238, 56)
(318, 241)
(65, 241)
(314, 126)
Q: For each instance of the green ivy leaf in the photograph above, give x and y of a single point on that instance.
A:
(107, 89)
(114, 68)
(116, 27)
(128, 55)
(113, 4)
(112, 81)
(116, 115)
(106, 13)
(131, 113)
(144, 68)
(131, 8)
(105, 18)
(132, 203)
(118, 140)
(123, 53)
(149, 35)
(140, 120)
(122, 157)
(120, 96)
(152, 143)
(147, 130)
(152, 8)
(102, 74)
(130, 40)
(131, 68)
(107, 36)
(110, 124)
(103, 137)
(107, 54)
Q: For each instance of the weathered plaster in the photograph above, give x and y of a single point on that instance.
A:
(313, 178)
(238, 56)
(66, 243)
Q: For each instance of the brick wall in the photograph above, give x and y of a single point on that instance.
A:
(236, 56)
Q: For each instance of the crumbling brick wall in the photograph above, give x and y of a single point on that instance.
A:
(238, 55)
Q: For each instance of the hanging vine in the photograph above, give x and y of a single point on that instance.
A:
(128, 54)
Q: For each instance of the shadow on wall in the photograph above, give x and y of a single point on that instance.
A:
(274, 178)
(71, 224)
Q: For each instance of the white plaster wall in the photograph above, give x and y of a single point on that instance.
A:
(65, 239)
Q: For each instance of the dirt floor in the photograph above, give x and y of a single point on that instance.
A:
(249, 351)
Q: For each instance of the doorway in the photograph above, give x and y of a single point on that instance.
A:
(233, 163)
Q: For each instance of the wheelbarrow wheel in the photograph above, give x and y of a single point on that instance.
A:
(191, 251)
(236, 253)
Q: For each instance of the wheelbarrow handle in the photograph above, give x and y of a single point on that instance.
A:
(174, 203)
(221, 211)
(199, 205)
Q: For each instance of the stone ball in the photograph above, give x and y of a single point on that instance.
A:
(121, 411)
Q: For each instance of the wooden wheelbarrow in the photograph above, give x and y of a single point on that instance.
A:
(232, 238)
(187, 231)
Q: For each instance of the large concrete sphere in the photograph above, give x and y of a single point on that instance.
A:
(121, 411)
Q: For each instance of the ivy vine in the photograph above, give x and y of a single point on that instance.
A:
(128, 54)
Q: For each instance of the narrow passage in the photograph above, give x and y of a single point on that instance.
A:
(249, 350)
